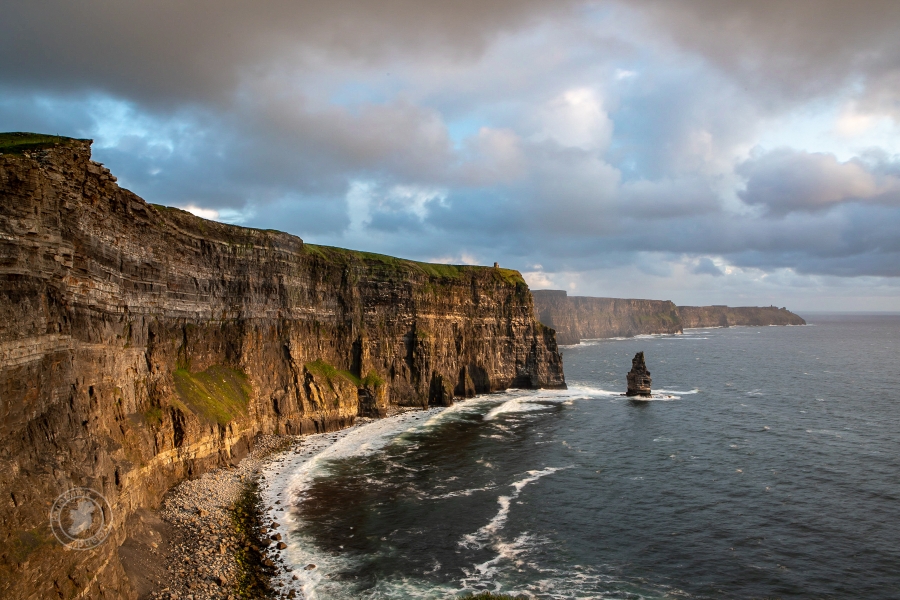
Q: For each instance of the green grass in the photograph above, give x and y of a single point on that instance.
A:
(372, 380)
(379, 265)
(154, 416)
(254, 578)
(344, 256)
(331, 373)
(18, 142)
(402, 266)
(217, 394)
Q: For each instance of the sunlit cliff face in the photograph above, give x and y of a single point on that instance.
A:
(707, 152)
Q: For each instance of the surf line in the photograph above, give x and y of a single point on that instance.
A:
(474, 540)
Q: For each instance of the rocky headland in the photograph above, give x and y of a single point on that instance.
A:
(576, 318)
(141, 346)
(693, 317)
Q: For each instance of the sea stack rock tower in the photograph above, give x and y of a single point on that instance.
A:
(638, 377)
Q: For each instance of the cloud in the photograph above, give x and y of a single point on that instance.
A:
(786, 180)
(667, 198)
(576, 119)
(705, 266)
(171, 52)
(621, 146)
(789, 50)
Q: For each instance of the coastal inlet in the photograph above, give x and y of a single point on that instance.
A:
(771, 476)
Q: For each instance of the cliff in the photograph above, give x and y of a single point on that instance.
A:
(141, 345)
(581, 317)
(727, 316)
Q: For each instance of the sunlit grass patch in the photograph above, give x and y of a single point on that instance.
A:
(17, 142)
(218, 394)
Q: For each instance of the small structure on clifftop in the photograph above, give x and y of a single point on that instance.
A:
(638, 377)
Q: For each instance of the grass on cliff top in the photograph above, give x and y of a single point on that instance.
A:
(17, 142)
(344, 256)
(217, 394)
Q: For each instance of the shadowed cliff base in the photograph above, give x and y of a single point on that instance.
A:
(141, 345)
(575, 318)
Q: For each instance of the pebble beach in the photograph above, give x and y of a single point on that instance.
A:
(216, 541)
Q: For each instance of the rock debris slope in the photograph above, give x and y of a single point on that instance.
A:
(141, 345)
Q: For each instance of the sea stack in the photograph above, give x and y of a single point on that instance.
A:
(638, 377)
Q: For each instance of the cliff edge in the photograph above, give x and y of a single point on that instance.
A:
(141, 345)
(737, 316)
(582, 317)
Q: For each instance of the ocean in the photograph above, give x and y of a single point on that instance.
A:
(765, 466)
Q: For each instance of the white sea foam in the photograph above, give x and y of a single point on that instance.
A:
(485, 534)
(525, 401)
(643, 336)
(458, 493)
(289, 476)
(678, 392)
(516, 405)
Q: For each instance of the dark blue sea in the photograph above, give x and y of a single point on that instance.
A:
(767, 465)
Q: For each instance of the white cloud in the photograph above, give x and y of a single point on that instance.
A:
(576, 119)
(463, 258)
(203, 213)
(786, 180)
(537, 280)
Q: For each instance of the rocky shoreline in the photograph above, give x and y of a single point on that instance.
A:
(142, 346)
(215, 539)
(194, 547)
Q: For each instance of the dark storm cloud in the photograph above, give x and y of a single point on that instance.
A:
(171, 51)
(849, 240)
(556, 137)
(795, 49)
(705, 266)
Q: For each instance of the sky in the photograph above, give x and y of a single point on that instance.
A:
(705, 152)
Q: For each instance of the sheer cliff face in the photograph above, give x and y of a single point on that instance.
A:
(580, 317)
(728, 316)
(140, 345)
(577, 318)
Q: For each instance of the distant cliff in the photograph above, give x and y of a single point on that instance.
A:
(577, 318)
(580, 317)
(727, 316)
(140, 345)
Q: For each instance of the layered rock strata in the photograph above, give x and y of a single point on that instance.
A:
(580, 317)
(639, 377)
(730, 316)
(576, 318)
(141, 345)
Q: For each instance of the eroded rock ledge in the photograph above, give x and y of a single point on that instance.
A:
(141, 345)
